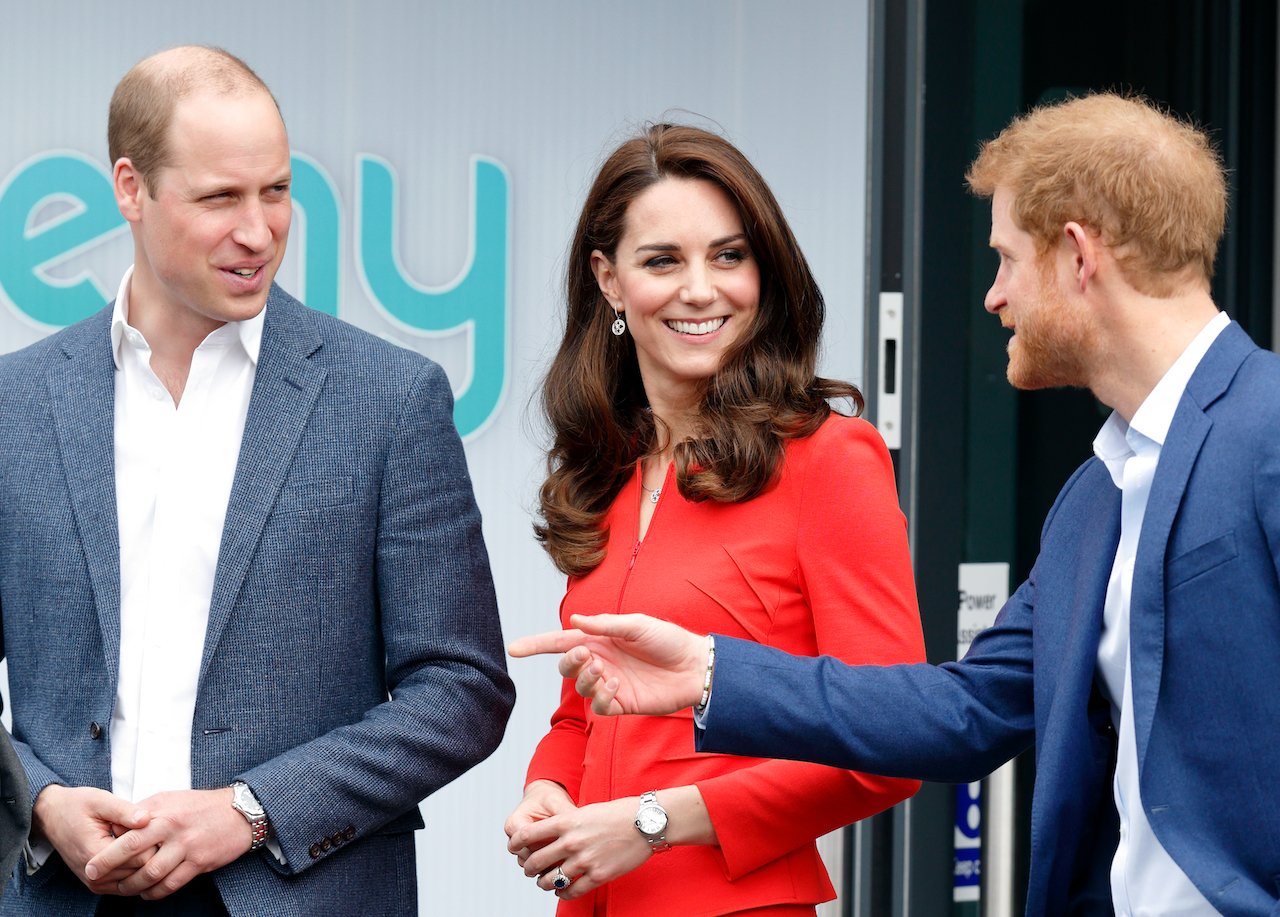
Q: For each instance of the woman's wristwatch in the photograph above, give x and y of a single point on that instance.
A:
(651, 822)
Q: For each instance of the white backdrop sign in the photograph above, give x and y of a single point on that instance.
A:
(442, 150)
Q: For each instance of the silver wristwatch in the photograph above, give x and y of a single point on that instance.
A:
(244, 802)
(651, 822)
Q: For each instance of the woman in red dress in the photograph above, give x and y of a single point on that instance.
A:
(698, 473)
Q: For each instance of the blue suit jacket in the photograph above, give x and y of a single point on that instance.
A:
(353, 662)
(1205, 643)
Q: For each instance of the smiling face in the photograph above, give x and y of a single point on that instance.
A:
(684, 278)
(1054, 338)
(210, 226)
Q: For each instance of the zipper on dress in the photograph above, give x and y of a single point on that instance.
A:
(635, 550)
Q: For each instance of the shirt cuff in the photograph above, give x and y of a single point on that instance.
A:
(274, 846)
(37, 855)
(700, 710)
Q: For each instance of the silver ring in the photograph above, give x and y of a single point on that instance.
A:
(561, 881)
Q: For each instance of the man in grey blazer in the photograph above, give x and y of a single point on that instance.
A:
(247, 607)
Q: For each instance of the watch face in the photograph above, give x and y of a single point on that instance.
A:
(651, 820)
(245, 800)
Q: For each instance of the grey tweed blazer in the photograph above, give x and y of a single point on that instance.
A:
(353, 662)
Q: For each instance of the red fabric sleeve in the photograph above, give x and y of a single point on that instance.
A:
(855, 573)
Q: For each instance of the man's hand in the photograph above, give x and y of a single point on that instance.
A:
(196, 832)
(626, 663)
(81, 822)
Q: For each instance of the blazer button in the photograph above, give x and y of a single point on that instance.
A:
(350, 833)
(315, 851)
(326, 844)
(95, 731)
(339, 839)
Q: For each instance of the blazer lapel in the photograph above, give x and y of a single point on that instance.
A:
(82, 397)
(285, 389)
(1177, 459)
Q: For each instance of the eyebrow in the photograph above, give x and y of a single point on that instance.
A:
(219, 185)
(671, 246)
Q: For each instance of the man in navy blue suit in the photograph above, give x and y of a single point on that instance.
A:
(1142, 654)
(248, 612)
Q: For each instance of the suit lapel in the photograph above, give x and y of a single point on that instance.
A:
(285, 389)
(82, 399)
(1190, 427)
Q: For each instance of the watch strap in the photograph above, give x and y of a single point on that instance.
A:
(258, 826)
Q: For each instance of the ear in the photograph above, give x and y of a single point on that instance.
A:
(606, 279)
(129, 187)
(1084, 249)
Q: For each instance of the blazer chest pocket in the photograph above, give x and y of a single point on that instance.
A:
(1201, 559)
(311, 494)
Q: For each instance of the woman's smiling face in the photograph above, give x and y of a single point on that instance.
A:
(684, 278)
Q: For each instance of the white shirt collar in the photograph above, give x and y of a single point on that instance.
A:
(248, 332)
(1118, 440)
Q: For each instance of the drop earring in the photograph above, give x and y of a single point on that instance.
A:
(619, 327)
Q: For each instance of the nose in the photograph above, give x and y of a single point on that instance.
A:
(252, 229)
(698, 289)
(995, 299)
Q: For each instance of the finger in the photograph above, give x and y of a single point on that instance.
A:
(626, 627)
(535, 835)
(581, 666)
(556, 641)
(116, 812)
(591, 683)
(514, 823)
(543, 861)
(604, 697)
(127, 847)
(174, 881)
(579, 887)
(153, 872)
(104, 887)
(128, 869)
(547, 880)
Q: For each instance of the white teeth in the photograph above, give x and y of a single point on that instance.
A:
(244, 271)
(697, 327)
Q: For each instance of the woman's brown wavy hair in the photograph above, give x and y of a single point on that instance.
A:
(765, 392)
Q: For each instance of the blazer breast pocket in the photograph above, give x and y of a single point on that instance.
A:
(312, 494)
(1201, 559)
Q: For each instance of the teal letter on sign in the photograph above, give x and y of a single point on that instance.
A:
(476, 301)
(315, 201)
(27, 247)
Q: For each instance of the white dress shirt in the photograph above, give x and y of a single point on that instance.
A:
(174, 466)
(1144, 878)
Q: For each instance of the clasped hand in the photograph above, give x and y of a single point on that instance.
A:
(151, 848)
(591, 844)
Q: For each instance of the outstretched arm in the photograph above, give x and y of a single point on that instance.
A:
(950, 723)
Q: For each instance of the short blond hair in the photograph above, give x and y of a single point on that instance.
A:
(1152, 186)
